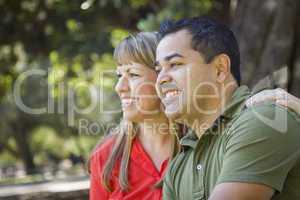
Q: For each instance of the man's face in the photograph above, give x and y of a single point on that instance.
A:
(186, 83)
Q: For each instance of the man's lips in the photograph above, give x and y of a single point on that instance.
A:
(169, 89)
(170, 96)
(171, 93)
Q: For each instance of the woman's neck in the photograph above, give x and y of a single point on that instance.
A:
(156, 140)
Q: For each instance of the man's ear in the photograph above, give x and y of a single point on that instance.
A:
(222, 65)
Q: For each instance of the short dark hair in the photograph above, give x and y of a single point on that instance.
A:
(209, 37)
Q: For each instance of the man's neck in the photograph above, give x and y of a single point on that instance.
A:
(200, 123)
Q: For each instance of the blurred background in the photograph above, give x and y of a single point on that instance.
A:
(56, 76)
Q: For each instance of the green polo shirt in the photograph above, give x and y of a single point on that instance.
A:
(258, 145)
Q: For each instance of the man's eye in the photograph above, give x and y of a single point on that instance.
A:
(174, 64)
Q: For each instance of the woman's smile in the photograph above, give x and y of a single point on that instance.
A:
(128, 102)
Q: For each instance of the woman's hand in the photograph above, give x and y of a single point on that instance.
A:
(279, 96)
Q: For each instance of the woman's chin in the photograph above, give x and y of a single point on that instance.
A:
(136, 115)
(130, 116)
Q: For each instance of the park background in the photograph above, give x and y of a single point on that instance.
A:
(60, 51)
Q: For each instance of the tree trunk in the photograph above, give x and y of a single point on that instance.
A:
(23, 145)
(221, 11)
(294, 84)
(266, 32)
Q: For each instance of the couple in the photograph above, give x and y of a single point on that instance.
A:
(195, 123)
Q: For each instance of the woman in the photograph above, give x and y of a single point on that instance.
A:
(131, 161)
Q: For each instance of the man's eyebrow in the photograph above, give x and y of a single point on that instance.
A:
(168, 58)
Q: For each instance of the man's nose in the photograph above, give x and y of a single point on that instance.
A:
(163, 77)
(122, 85)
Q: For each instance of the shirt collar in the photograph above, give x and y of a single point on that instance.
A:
(235, 106)
(237, 102)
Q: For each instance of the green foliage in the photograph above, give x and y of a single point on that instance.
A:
(43, 140)
(117, 35)
(138, 3)
(175, 10)
(7, 159)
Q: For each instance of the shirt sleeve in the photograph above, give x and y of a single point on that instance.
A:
(97, 191)
(262, 147)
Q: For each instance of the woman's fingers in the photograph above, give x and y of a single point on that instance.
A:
(291, 102)
(279, 96)
(261, 97)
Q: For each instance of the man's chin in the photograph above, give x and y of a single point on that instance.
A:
(173, 115)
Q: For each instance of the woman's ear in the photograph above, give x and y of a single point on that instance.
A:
(222, 65)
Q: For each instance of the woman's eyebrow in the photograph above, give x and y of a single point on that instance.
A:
(133, 70)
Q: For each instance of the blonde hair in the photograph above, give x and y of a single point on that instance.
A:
(138, 48)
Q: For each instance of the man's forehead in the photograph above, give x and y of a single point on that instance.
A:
(172, 43)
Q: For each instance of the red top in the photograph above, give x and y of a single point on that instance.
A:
(142, 175)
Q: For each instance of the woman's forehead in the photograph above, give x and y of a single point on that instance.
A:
(132, 65)
(125, 56)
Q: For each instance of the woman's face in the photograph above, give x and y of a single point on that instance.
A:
(136, 89)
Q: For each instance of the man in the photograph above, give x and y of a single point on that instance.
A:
(230, 152)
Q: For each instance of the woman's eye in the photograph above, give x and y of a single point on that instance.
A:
(133, 75)
(119, 75)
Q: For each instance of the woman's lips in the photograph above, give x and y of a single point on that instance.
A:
(127, 102)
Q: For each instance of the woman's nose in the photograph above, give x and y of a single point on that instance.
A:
(122, 85)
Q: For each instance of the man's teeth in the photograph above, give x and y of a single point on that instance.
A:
(172, 93)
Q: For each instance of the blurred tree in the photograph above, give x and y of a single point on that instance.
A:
(269, 40)
(61, 36)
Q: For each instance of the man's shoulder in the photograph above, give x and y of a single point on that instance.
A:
(268, 117)
(268, 109)
(266, 121)
(261, 146)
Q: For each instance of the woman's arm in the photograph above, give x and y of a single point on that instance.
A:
(278, 95)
